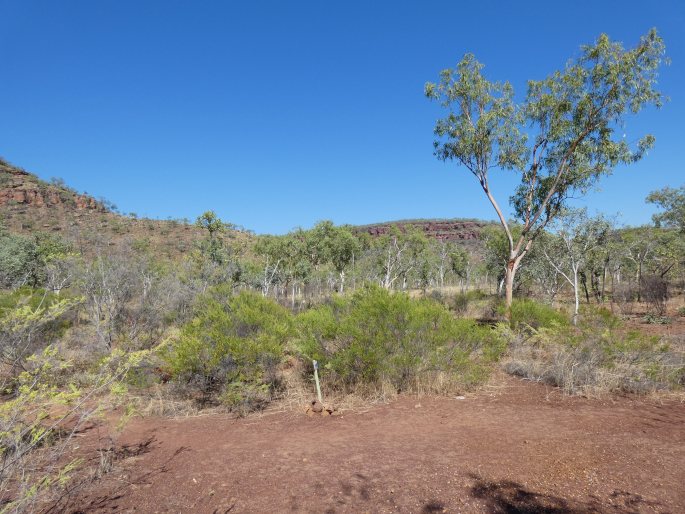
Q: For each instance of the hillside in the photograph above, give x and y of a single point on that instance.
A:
(29, 204)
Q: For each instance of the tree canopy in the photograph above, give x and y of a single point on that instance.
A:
(560, 140)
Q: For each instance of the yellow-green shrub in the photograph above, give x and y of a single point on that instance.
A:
(376, 337)
(232, 347)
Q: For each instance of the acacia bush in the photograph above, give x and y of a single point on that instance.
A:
(376, 339)
(231, 349)
(30, 320)
(530, 313)
(460, 302)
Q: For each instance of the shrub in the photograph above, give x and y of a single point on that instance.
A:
(625, 295)
(535, 314)
(461, 301)
(599, 356)
(232, 347)
(29, 321)
(655, 293)
(376, 338)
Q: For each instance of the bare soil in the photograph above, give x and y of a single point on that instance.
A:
(516, 447)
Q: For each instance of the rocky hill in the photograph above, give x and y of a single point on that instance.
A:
(467, 232)
(18, 187)
(29, 204)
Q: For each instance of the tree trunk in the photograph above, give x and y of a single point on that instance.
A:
(583, 280)
(509, 284)
(576, 297)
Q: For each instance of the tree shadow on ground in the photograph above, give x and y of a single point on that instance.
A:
(74, 500)
(507, 497)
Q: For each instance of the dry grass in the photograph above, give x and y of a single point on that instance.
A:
(586, 370)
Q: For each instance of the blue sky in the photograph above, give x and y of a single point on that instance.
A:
(279, 114)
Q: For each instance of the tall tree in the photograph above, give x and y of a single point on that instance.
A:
(672, 202)
(561, 140)
(577, 235)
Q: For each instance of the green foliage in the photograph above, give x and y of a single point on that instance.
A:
(655, 319)
(376, 338)
(561, 140)
(232, 347)
(210, 222)
(672, 203)
(598, 356)
(29, 321)
(534, 314)
(23, 259)
(213, 247)
(40, 412)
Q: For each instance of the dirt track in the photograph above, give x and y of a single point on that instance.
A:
(523, 448)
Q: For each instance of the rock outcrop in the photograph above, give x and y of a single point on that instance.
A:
(18, 187)
(445, 230)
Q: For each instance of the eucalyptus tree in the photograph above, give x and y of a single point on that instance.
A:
(398, 254)
(460, 265)
(640, 245)
(343, 248)
(271, 250)
(442, 253)
(672, 203)
(577, 235)
(561, 140)
(544, 274)
(210, 222)
(213, 246)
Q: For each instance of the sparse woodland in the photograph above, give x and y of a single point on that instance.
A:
(148, 317)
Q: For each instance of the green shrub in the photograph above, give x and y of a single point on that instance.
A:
(599, 356)
(461, 301)
(535, 314)
(232, 347)
(654, 319)
(376, 338)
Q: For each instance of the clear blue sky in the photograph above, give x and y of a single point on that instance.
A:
(278, 114)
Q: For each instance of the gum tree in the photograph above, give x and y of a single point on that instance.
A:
(561, 140)
(672, 203)
(575, 237)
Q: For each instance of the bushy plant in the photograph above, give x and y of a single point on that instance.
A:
(534, 314)
(599, 356)
(232, 348)
(376, 338)
(655, 293)
(29, 321)
(461, 301)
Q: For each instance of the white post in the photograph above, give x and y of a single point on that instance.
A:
(316, 379)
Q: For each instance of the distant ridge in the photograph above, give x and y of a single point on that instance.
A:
(465, 230)
(29, 204)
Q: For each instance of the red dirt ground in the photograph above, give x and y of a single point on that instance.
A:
(518, 448)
